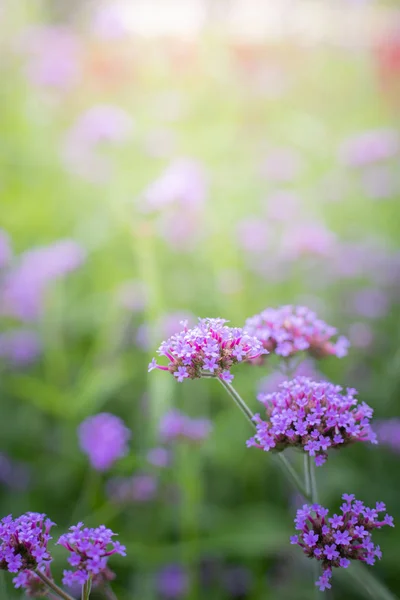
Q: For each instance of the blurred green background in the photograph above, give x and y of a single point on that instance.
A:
(197, 171)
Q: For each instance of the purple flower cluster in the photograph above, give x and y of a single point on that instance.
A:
(23, 542)
(104, 438)
(139, 488)
(90, 549)
(291, 329)
(388, 433)
(32, 584)
(176, 425)
(340, 539)
(211, 348)
(313, 416)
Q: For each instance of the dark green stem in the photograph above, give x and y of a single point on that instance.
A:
(87, 586)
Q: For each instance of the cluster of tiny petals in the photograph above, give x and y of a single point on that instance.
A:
(312, 416)
(209, 349)
(289, 330)
(338, 540)
(23, 542)
(90, 549)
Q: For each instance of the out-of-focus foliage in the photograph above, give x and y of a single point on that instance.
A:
(145, 181)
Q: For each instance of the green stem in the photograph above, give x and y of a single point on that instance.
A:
(87, 586)
(371, 586)
(284, 463)
(311, 482)
(53, 586)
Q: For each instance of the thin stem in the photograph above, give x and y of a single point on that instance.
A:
(284, 463)
(307, 474)
(87, 586)
(238, 400)
(53, 586)
(311, 481)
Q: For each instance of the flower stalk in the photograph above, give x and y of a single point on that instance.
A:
(53, 586)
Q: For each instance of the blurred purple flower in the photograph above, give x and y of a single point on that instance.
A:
(361, 335)
(109, 21)
(282, 165)
(237, 581)
(138, 488)
(5, 249)
(104, 438)
(181, 229)
(388, 433)
(158, 457)
(252, 235)
(379, 183)
(100, 124)
(21, 294)
(53, 57)
(176, 425)
(372, 303)
(282, 205)
(369, 147)
(172, 581)
(182, 183)
(271, 382)
(310, 238)
(20, 347)
(14, 474)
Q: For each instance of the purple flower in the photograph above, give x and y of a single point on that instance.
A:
(99, 125)
(13, 474)
(23, 542)
(370, 147)
(344, 539)
(90, 549)
(388, 433)
(183, 183)
(139, 488)
(53, 57)
(289, 330)
(158, 457)
(23, 287)
(191, 351)
(317, 412)
(176, 425)
(311, 538)
(172, 582)
(104, 438)
(19, 347)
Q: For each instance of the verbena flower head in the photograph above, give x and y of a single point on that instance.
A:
(33, 586)
(23, 542)
(90, 549)
(104, 438)
(338, 540)
(173, 581)
(176, 425)
(138, 488)
(211, 348)
(313, 416)
(291, 329)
